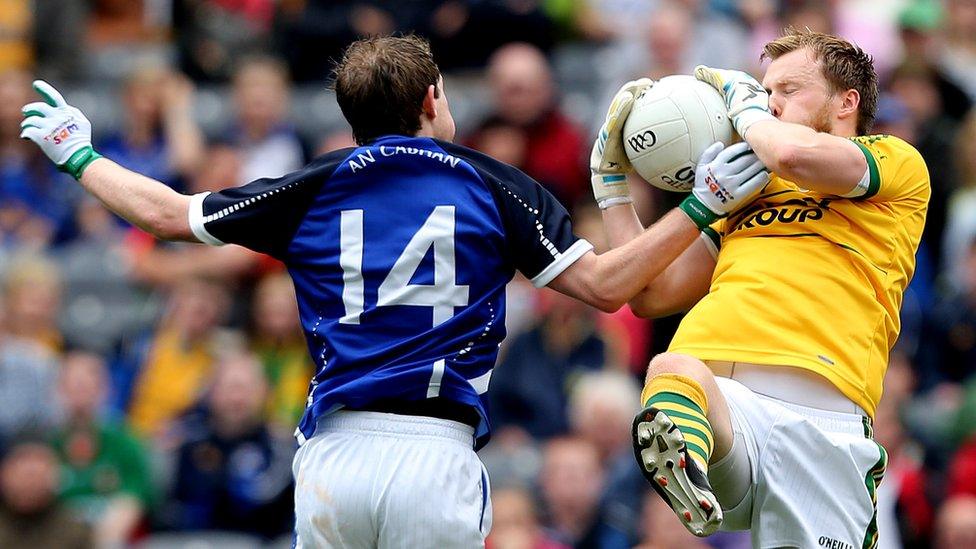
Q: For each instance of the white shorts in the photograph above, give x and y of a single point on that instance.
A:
(372, 480)
(814, 473)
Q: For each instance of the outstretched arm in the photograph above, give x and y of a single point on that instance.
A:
(680, 285)
(609, 280)
(64, 134)
(144, 202)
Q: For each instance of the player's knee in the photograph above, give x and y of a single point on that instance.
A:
(674, 363)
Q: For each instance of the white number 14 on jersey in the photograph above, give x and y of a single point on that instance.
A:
(443, 295)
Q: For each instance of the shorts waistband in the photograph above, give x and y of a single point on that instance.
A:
(830, 421)
(396, 425)
(788, 384)
(437, 407)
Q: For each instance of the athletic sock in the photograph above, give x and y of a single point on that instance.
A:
(684, 402)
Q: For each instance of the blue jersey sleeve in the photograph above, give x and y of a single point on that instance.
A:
(538, 230)
(264, 214)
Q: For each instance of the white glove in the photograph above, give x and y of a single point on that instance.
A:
(726, 179)
(60, 130)
(609, 165)
(745, 98)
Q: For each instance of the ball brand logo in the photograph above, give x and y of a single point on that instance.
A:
(62, 132)
(685, 174)
(680, 180)
(642, 141)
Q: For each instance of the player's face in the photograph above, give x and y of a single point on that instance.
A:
(799, 92)
(444, 123)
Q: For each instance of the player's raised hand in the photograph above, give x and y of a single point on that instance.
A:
(726, 179)
(745, 98)
(609, 165)
(60, 130)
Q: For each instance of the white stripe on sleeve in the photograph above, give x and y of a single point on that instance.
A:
(198, 221)
(562, 262)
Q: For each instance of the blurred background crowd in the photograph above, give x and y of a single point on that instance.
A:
(148, 391)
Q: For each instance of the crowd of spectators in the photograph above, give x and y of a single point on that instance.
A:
(149, 390)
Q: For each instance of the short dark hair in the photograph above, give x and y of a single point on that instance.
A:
(845, 66)
(380, 84)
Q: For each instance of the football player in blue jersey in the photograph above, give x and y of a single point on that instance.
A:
(400, 250)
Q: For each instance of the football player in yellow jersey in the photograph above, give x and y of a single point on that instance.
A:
(759, 415)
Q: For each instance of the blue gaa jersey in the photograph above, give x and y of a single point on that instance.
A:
(400, 252)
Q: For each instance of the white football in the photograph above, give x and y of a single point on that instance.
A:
(669, 127)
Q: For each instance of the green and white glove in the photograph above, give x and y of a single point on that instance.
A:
(726, 179)
(609, 165)
(60, 130)
(745, 98)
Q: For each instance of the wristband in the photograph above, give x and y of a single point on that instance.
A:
(78, 161)
(614, 201)
(697, 211)
(744, 119)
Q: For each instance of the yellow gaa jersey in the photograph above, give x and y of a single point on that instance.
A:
(815, 281)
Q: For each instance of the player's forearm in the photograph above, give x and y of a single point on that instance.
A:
(676, 288)
(144, 202)
(621, 224)
(662, 298)
(685, 281)
(624, 272)
(814, 160)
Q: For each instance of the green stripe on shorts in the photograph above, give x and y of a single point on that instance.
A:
(868, 427)
(872, 480)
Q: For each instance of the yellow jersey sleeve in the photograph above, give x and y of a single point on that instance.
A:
(895, 168)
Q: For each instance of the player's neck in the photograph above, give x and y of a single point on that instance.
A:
(426, 128)
(843, 128)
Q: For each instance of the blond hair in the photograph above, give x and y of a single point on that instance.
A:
(845, 66)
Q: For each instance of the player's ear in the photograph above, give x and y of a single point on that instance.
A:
(430, 102)
(850, 100)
